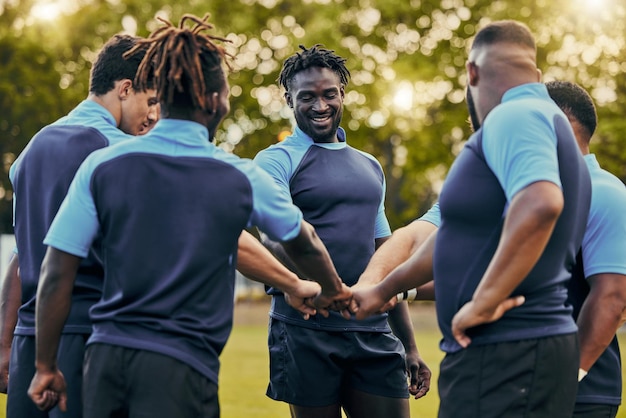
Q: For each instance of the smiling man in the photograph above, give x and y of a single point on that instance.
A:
(355, 365)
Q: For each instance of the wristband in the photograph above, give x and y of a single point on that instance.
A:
(408, 295)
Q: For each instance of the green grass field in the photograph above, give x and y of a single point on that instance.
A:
(244, 374)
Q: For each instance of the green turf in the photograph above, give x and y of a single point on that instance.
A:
(244, 376)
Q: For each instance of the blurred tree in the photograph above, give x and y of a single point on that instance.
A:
(405, 103)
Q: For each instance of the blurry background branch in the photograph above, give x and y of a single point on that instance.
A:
(405, 103)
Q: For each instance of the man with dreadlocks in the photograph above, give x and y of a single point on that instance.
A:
(170, 210)
(115, 111)
(359, 366)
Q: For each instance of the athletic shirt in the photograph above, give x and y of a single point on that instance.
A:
(41, 176)
(170, 207)
(603, 251)
(340, 191)
(525, 139)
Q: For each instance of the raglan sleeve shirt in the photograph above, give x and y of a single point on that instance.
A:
(520, 148)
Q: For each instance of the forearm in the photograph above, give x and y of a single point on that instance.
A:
(396, 250)
(600, 317)
(426, 291)
(531, 218)
(312, 259)
(54, 296)
(414, 272)
(400, 322)
(256, 263)
(10, 301)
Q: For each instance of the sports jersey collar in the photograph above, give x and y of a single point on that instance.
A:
(528, 90)
(591, 161)
(183, 131)
(89, 108)
(341, 135)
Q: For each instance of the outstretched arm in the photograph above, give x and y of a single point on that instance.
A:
(396, 250)
(10, 301)
(257, 263)
(311, 258)
(54, 298)
(414, 272)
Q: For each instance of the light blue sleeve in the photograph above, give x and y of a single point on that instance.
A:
(277, 163)
(76, 223)
(273, 211)
(519, 144)
(382, 228)
(433, 215)
(604, 243)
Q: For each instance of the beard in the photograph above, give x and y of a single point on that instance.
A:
(316, 133)
(471, 107)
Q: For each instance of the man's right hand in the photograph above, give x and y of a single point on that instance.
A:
(334, 301)
(47, 389)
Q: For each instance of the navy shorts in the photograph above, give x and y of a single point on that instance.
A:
(588, 410)
(311, 368)
(526, 378)
(124, 382)
(22, 370)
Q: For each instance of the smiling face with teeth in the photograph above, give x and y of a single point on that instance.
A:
(316, 97)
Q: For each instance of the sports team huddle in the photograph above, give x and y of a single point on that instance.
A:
(130, 223)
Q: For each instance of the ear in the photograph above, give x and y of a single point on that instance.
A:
(289, 100)
(472, 73)
(211, 102)
(124, 88)
(342, 92)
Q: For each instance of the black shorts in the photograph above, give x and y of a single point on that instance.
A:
(310, 368)
(22, 370)
(124, 382)
(589, 410)
(526, 378)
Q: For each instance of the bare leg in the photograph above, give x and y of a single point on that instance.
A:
(330, 411)
(359, 404)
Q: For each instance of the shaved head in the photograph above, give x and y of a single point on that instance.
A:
(503, 55)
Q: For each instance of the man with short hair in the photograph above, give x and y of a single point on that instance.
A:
(169, 210)
(597, 290)
(114, 111)
(513, 212)
(360, 366)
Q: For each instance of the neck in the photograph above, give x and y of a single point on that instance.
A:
(110, 102)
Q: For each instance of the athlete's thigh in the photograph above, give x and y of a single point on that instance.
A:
(306, 366)
(330, 411)
(377, 365)
(104, 385)
(161, 386)
(21, 372)
(358, 404)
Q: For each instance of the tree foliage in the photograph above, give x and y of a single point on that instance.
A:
(405, 103)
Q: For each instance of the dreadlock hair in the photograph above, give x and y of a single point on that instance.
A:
(316, 56)
(111, 65)
(186, 63)
(575, 102)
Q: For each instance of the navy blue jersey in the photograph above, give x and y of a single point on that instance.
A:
(340, 191)
(603, 251)
(169, 207)
(41, 177)
(497, 162)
